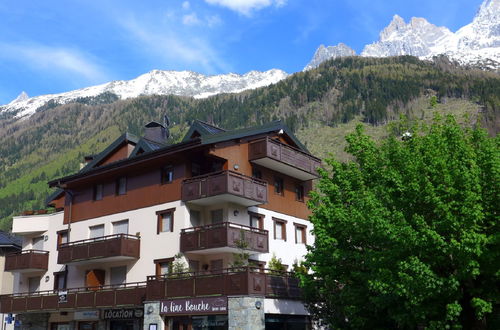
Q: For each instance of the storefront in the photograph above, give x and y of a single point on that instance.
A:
(196, 313)
(123, 318)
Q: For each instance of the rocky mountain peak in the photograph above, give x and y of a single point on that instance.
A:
(325, 53)
(21, 97)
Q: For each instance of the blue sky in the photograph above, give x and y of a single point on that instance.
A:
(55, 46)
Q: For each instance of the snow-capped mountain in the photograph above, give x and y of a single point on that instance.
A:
(324, 53)
(477, 43)
(184, 83)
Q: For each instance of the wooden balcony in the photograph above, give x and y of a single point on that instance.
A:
(27, 261)
(224, 186)
(225, 282)
(130, 294)
(101, 249)
(283, 158)
(224, 237)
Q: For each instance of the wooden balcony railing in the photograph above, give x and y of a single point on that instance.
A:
(223, 282)
(129, 294)
(283, 158)
(100, 248)
(238, 188)
(27, 260)
(222, 235)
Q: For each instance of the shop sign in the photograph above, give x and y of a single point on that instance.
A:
(211, 305)
(87, 315)
(122, 313)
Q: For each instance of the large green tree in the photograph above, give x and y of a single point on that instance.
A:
(407, 233)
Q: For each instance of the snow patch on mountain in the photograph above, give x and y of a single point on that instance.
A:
(477, 43)
(183, 83)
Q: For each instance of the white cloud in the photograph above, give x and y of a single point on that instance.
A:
(173, 46)
(213, 20)
(246, 7)
(186, 5)
(58, 60)
(191, 19)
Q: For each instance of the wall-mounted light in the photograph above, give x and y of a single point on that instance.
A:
(236, 213)
(47, 278)
(46, 238)
(258, 304)
(150, 309)
(236, 167)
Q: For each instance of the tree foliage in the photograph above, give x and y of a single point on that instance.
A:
(408, 233)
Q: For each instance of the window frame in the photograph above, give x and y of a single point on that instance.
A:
(59, 237)
(260, 219)
(95, 190)
(63, 273)
(283, 228)
(299, 192)
(118, 185)
(159, 222)
(303, 229)
(165, 178)
(279, 186)
(158, 263)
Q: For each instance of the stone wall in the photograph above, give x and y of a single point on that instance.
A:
(152, 315)
(244, 314)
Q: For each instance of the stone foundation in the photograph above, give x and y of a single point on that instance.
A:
(243, 313)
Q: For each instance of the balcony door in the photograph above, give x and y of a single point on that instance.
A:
(94, 278)
(33, 284)
(120, 227)
(96, 231)
(118, 275)
(37, 243)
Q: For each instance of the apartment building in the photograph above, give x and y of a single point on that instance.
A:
(150, 235)
(8, 245)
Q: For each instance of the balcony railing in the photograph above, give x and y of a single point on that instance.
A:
(224, 235)
(104, 249)
(129, 294)
(283, 158)
(224, 282)
(224, 186)
(27, 261)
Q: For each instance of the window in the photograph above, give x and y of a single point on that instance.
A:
(195, 169)
(195, 217)
(216, 216)
(256, 173)
(163, 266)
(118, 275)
(194, 265)
(299, 193)
(120, 227)
(98, 192)
(256, 220)
(96, 231)
(165, 222)
(62, 237)
(33, 284)
(37, 243)
(300, 233)
(121, 186)
(279, 229)
(279, 186)
(60, 280)
(167, 174)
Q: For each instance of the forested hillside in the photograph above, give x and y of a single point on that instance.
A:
(328, 99)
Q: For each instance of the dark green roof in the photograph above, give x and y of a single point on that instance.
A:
(202, 128)
(273, 126)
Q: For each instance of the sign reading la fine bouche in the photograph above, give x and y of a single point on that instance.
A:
(211, 305)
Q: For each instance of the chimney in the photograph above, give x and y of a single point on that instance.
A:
(156, 132)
